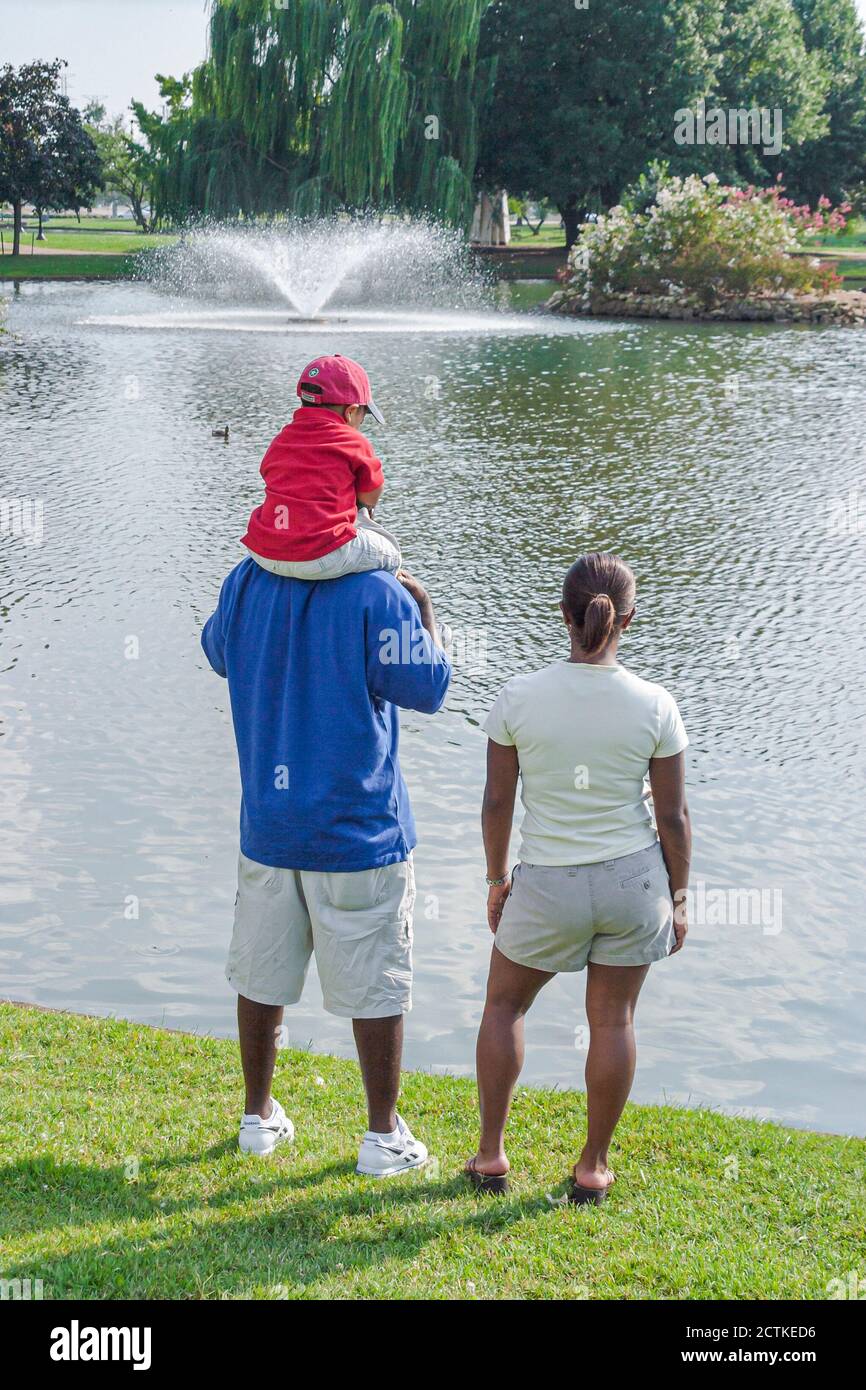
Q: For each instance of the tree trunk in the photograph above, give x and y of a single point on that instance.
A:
(40, 236)
(571, 218)
(16, 227)
(137, 213)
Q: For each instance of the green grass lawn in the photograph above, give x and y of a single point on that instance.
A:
(60, 240)
(52, 220)
(90, 234)
(85, 267)
(853, 237)
(849, 262)
(848, 251)
(553, 235)
(547, 236)
(121, 1179)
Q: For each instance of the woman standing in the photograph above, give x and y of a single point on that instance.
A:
(598, 878)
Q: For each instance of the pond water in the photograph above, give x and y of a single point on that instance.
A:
(726, 463)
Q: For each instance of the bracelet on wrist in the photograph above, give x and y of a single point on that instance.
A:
(496, 882)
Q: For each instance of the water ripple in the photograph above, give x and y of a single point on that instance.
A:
(719, 460)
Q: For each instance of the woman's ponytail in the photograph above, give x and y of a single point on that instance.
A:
(598, 593)
(598, 624)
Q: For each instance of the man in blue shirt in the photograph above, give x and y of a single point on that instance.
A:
(315, 671)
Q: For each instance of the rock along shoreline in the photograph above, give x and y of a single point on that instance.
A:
(845, 308)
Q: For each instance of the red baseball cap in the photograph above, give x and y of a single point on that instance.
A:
(337, 380)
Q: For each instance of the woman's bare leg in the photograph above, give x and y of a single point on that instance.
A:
(611, 996)
(511, 988)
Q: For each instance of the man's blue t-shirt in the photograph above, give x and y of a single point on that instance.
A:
(314, 673)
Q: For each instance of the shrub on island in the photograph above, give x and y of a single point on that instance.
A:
(693, 248)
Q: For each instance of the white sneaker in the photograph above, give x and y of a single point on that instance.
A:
(383, 1155)
(260, 1136)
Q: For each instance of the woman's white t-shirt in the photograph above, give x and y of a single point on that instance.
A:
(584, 737)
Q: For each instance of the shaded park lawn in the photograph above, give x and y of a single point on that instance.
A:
(121, 1179)
(87, 266)
(120, 236)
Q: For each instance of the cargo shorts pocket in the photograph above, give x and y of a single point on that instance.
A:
(362, 933)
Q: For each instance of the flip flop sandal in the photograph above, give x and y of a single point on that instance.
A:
(587, 1196)
(492, 1184)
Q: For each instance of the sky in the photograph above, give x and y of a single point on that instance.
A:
(114, 47)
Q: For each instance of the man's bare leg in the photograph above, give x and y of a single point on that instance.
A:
(511, 989)
(611, 996)
(380, 1050)
(258, 1026)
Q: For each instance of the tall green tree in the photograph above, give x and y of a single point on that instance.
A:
(324, 104)
(46, 157)
(834, 164)
(764, 63)
(127, 163)
(585, 100)
(69, 171)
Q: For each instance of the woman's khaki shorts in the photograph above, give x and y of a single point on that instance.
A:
(618, 912)
(359, 925)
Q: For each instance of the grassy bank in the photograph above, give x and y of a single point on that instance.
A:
(83, 267)
(121, 1179)
(549, 235)
(78, 240)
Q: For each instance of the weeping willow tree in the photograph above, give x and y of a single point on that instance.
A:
(325, 104)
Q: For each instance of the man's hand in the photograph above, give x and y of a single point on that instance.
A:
(415, 587)
(423, 600)
(497, 897)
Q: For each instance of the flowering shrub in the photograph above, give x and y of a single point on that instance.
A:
(699, 239)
